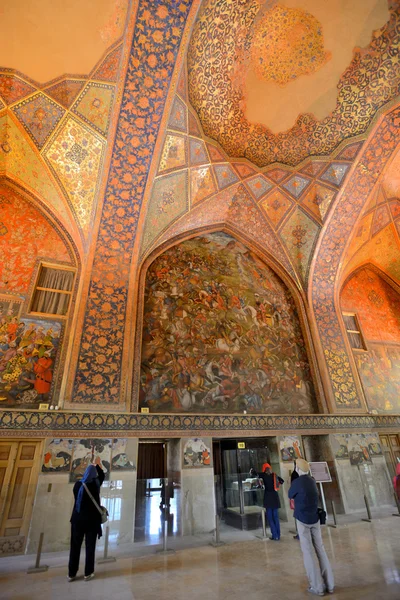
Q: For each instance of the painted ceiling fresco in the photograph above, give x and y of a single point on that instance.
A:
(281, 208)
(221, 334)
(309, 49)
(72, 40)
(53, 137)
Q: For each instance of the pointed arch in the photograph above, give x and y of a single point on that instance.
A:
(267, 258)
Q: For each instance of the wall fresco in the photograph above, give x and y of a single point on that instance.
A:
(331, 250)
(28, 352)
(291, 448)
(57, 456)
(25, 236)
(221, 334)
(365, 444)
(377, 306)
(379, 370)
(88, 451)
(197, 452)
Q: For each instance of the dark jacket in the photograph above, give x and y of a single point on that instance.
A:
(304, 492)
(89, 517)
(271, 497)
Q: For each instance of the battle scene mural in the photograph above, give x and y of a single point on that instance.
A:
(221, 334)
(28, 351)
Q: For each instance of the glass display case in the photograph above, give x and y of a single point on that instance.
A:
(242, 493)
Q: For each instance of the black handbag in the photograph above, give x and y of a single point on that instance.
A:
(322, 516)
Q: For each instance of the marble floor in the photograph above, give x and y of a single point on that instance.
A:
(365, 558)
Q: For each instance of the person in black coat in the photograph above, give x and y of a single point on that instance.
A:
(85, 521)
(271, 498)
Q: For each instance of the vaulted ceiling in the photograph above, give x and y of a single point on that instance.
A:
(56, 100)
(270, 112)
(280, 81)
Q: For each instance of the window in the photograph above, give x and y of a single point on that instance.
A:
(354, 331)
(53, 290)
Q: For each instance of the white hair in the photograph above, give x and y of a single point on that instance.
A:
(300, 472)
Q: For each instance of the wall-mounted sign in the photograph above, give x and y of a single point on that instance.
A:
(241, 445)
(144, 410)
(320, 472)
(43, 407)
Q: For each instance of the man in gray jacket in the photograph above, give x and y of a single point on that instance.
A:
(304, 492)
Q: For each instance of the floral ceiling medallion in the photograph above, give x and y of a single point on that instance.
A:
(287, 43)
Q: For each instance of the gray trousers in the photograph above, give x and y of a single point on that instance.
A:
(320, 576)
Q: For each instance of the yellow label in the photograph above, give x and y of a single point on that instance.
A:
(241, 445)
(43, 407)
(144, 410)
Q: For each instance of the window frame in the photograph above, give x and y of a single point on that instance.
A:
(70, 293)
(359, 331)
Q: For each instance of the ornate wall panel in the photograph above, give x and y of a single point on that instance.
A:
(330, 253)
(157, 36)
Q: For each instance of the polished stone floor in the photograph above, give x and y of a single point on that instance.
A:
(365, 558)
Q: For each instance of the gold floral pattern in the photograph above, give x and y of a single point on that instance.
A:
(287, 43)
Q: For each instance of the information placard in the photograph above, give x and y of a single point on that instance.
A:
(320, 472)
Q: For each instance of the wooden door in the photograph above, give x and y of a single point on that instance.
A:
(8, 454)
(19, 467)
(391, 448)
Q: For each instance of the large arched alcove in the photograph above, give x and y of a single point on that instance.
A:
(221, 333)
(39, 274)
(371, 306)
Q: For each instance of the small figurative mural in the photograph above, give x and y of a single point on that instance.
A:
(28, 351)
(57, 456)
(379, 370)
(339, 445)
(358, 448)
(89, 451)
(120, 459)
(10, 306)
(221, 334)
(196, 453)
(290, 448)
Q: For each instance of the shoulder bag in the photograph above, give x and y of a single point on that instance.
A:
(322, 516)
(102, 509)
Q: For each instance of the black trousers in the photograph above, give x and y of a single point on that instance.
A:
(78, 532)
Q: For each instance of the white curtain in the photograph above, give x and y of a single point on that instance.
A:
(54, 303)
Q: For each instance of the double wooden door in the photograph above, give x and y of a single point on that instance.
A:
(19, 468)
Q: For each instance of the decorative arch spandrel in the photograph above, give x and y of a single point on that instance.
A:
(343, 391)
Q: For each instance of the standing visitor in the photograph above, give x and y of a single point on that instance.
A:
(305, 494)
(271, 498)
(294, 476)
(85, 521)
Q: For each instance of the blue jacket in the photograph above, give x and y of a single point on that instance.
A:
(304, 492)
